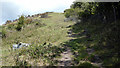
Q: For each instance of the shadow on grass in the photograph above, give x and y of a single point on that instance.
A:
(79, 44)
(102, 37)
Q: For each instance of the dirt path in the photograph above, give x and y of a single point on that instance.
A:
(66, 58)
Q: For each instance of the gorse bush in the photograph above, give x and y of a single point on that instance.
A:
(0, 28)
(20, 23)
(3, 33)
(19, 27)
(68, 12)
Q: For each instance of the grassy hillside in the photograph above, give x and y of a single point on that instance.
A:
(50, 37)
(51, 31)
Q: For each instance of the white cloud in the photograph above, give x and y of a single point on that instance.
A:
(37, 5)
(34, 6)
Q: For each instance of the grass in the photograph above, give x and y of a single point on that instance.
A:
(49, 37)
(100, 39)
(53, 31)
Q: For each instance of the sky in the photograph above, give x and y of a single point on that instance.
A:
(12, 9)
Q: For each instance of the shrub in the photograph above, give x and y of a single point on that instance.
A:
(37, 23)
(3, 33)
(20, 23)
(68, 12)
(19, 27)
(1, 28)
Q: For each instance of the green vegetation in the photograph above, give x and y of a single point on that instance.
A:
(87, 65)
(3, 33)
(43, 54)
(68, 12)
(45, 35)
(0, 28)
(98, 30)
(20, 23)
(94, 41)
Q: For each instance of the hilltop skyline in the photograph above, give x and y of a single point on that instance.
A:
(12, 9)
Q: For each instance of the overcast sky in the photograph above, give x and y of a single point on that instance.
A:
(11, 9)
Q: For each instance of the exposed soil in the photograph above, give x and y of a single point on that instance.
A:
(66, 58)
